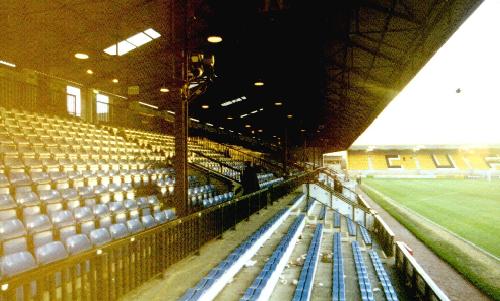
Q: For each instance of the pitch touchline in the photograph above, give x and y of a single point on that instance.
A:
(396, 204)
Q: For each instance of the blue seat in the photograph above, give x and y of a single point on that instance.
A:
(8, 208)
(78, 243)
(84, 219)
(50, 252)
(51, 200)
(118, 212)
(70, 197)
(132, 208)
(63, 222)
(119, 230)
(102, 215)
(40, 229)
(148, 221)
(16, 263)
(99, 236)
(134, 226)
(13, 236)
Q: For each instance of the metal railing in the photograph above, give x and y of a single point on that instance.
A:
(240, 155)
(414, 276)
(110, 271)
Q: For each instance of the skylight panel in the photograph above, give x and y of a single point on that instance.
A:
(152, 33)
(139, 39)
(111, 50)
(132, 42)
(124, 47)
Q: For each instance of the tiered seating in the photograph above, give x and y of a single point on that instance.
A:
(351, 228)
(364, 282)
(217, 199)
(338, 288)
(262, 285)
(67, 186)
(165, 145)
(267, 179)
(306, 279)
(234, 262)
(366, 236)
(389, 291)
(357, 161)
(425, 161)
(477, 161)
(336, 219)
(310, 205)
(378, 161)
(208, 287)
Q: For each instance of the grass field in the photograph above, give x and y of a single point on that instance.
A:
(469, 208)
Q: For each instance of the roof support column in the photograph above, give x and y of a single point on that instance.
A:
(181, 156)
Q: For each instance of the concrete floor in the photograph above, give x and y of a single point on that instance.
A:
(186, 273)
(189, 271)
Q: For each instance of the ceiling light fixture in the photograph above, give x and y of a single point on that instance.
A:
(81, 56)
(209, 124)
(115, 80)
(171, 112)
(90, 71)
(164, 90)
(278, 103)
(195, 120)
(259, 84)
(205, 107)
(229, 118)
(248, 126)
(214, 39)
(289, 116)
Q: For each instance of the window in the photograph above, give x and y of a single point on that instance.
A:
(73, 100)
(102, 107)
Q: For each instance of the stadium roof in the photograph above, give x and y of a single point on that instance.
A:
(334, 65)
(416, 147)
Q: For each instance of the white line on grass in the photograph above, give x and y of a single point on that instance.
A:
(397, 204)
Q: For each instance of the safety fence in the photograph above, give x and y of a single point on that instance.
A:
(422, 287)
(110, 271)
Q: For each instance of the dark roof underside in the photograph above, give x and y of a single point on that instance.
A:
(335, 65)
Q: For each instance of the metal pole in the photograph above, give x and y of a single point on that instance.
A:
(181, 110)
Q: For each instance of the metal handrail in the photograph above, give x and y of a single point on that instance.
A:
(110, 271)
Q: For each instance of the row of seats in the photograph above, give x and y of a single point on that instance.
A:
(270, 183)
(336, 219)
(43, 239)
(365, 287)
(366, 236)
(351, 227)
(390, 293)
(306, 278)
(207, 281)
(217, 199)
(338, 288)
(255, 289)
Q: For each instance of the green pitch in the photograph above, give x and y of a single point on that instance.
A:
(469, 208)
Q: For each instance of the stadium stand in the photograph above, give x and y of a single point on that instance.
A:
(363, 280)
(263, 285)
(338, 287)
(306, 279)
